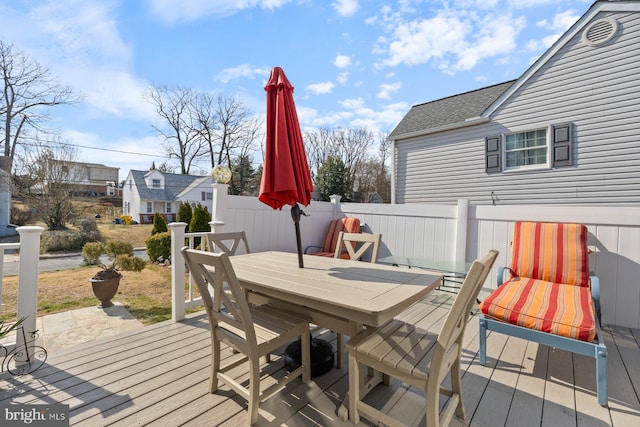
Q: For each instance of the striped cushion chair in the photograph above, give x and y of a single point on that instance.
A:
(347, 225)
(549, 297)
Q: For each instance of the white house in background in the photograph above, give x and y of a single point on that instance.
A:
(566, 132)
(146, 192)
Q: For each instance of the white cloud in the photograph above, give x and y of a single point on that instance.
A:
(346, 7)
(352, 104)
(85, 51)
(387, 89)
(453, 40)
(342, 78)
(320, 88)
(241, 71)
(342, 61)
(171, 11)
(559, 24)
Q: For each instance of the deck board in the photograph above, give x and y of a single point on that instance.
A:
(158, 375)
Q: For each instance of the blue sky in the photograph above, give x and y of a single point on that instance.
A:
(354, 63)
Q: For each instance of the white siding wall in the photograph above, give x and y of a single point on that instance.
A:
(429, 231)
(195, 195)
(130, 194)
(595, 88)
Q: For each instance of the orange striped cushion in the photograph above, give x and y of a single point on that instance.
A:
(551, 251)
(348, 225)
(556, 308)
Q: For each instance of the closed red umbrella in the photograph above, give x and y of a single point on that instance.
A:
(286, 179)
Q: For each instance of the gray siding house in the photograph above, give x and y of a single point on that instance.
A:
(566, 132)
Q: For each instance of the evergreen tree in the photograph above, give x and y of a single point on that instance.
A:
(332, 178)
(159, 224)
(184, 214)
(199, 221)
(243, 173)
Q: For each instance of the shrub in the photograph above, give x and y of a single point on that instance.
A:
(91, 253)
(115, 248)
(158, 245)
(58, 241)
(88, 229)
(159, 224)
(130, 263)
(21, 216)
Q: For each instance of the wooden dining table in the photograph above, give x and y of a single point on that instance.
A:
(341, 295)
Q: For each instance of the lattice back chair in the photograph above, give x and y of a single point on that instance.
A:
(549, 295)
(228, 242)
(348, 242)
(418, 357)
(251, 330)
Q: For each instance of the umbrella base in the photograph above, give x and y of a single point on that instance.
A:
(322, 356)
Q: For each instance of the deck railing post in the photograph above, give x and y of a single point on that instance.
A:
(219, 203)
(335, 201)
(28, 284)
(177, 271)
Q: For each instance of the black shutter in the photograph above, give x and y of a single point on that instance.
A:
(562, 145)
(492, 154)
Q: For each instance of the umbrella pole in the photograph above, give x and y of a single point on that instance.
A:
(295, 214)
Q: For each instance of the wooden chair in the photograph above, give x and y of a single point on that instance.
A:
(418, 357)
(228, 242)
(549, 296)
(328, 249)
(252, 331)
(347, 243)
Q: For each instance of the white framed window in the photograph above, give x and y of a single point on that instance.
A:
(526, 149)
(204, 196)
(542, 148)
(149, 207)
(168, 207)
(209, 195)
(156, 183)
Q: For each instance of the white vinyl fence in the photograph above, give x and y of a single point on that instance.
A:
(459, 232)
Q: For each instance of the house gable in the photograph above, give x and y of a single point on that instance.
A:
(582, 96)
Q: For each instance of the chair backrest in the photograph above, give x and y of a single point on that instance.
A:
(348, 241)
(348, 225)
(228, 242)
(227, 308)
(554, 252)
(456, 320)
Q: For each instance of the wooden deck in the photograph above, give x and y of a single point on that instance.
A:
(158, 375)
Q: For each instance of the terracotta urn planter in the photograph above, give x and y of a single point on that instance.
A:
(105, 289)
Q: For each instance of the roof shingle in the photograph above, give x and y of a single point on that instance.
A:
(449, 110)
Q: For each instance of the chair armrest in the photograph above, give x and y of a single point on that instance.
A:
(595, 293)
(315, 249)
(501, 275)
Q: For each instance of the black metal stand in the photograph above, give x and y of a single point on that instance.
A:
(322, 356)
(296, 212)
(21, 361)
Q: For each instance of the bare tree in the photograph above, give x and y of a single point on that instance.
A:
(53, 176)
(351, 146)
(180, 127)
(28, 92)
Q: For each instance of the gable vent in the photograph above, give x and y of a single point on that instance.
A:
(599, 32)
